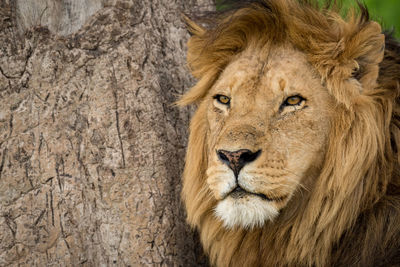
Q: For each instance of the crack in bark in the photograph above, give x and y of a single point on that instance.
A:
(10, 221)
(27, 176)
(43, 100)
(58, 176)
(40, 217)
(41, 138)
(51, 203)
(3, 158)
(140, 21)
(120, 140)
(115, 88)
(28, 57)
(11, 125)
(8, 76)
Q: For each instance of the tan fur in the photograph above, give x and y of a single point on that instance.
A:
(331, 166)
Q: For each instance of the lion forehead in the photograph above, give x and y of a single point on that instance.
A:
(257, 78)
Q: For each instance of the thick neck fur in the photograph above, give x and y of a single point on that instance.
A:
(272, 244)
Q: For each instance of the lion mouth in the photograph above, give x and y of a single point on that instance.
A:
(239, 192)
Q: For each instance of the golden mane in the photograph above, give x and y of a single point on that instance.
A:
(356, 199)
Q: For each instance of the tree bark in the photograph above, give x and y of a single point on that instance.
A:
(91, 147)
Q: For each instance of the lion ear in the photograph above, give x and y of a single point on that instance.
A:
(351, 67)
(367, 48)
(196, 45)
(193, 27)
(200, 64)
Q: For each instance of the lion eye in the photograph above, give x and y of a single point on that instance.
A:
(293, 100)
(222, 99)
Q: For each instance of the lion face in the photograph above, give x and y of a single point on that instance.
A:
(269, 119)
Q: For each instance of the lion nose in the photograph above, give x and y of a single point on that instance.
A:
(237, 159)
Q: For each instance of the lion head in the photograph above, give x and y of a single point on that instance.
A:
(291, 141)
(267, 133)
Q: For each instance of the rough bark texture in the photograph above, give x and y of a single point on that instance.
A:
(91, 148)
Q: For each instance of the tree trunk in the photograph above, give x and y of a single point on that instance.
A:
(91, 148)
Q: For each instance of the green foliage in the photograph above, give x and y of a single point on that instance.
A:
(386, 12)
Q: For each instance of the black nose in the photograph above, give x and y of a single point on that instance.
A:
(237, 159)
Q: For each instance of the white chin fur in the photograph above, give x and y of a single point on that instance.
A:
(244, 212)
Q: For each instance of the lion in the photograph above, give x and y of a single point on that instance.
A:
(292, 157)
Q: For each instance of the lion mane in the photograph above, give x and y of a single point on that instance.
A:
(351, 214)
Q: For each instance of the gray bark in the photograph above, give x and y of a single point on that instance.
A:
(91, 148)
